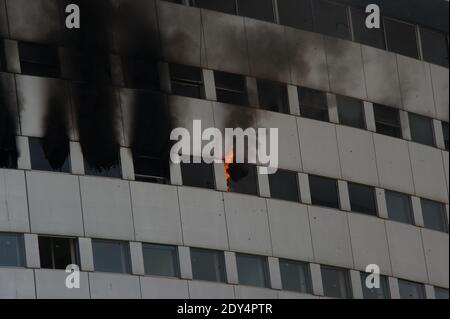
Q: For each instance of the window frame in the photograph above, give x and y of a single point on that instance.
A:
(420, 286)
(320, 202)
(124, 251)
(414, 137)
(322, 108)
(265, 270)
(175, 259)
(20, 261)
(347, 281)
(306, 271)
(397, 126)
(192, 83)
(410, 215)
(219, 256)
(243, 94)
(73, 246)
(373, 195)
(417, 39)
(443, 215)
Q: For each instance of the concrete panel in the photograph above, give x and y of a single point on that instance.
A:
(17, 283)
(55, 206)
(355, 278)
(369, 242)
(308, 59)
(394, 168)
(436, 249)
(51, 284)
(137, 259)
(32, 251)
(23, 148)
(210, 290)
(439, 78)
(316, 279)
(76, 158)
(9, 94)
(345, 67)
(318, 148)
(330, 237)
(445, 157)
(231, 267)
(13, 201)
(245, 292)
(406, 251)
(12, 59)
(274, 273)
(248, 226)
(289, 229)
(164, 288)
(428, 172)
(107, 208)
(184, 256)
(203, 218)
(156, 213)
(86, 254)
(114, 286)
(344, 196)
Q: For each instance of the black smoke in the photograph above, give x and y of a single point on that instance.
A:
(8, 147)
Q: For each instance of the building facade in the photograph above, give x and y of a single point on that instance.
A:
(86, 179)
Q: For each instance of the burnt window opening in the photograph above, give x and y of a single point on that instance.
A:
(241, 178)
(313, 104)
(284, 185)
(257, 9)
(43, 156)
(434, 47)
(387, 120)
(113, 170)
(445, 132)
(296, 14)
(150, 169)
(2, 56)
(332, 19)
(401, 38)
(362, 199)
(39, 60)
(324, 191)
(231, 88)
(350, 112)
(372, 37)
(273, 96)
(140, 73)
(93, 67)
(225, 6)
(8, 147)
(58, 252)
(187, 81)
(422, 130)
(198, 174)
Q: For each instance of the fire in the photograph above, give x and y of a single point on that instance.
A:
(228, 160)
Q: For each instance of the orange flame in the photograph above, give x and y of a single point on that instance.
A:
(228, 160)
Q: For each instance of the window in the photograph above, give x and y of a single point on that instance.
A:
(411, 290)
(401, 38)
(421, 129)
(372, 37)
(198, 175)
(313, 104)
(12, 251)
(208, 265)
(399, 207)
(446, 134)
(2, 56)
(295, 276)
(387, 120)
(296, 14)
(273, 96)
(375, 293)
(256, 9)
(111, 256)
(284, 185)
(187, 81)
(113, 171)
(230, 88)
(252, 270)
(434, 47)
(39, 60)
(434, 215)
(242, 179)
(140, 73)
(57, 252)
(324, 191)
(46, 158)
(8, 148)
(336, 282)
(331, 19)
(362, 199)
(226, 6)
(440, 293)
(350, 112)
(150, 169)
(160, 260)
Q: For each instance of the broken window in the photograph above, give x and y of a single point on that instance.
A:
(273, 96)
(399, 207)
(226, 6)
(150, 169)
(39, 60)
(434, 47)
(230, 88)
(253, 270)
(401, 38)
(242, 178)
(42, 157)
(140, 73)
(434, 215)
(208, 265)
(350, 111)
(187, 81)
(296, 14)
(445, 132)
(422, 130)
(12, 251)
(373, 37)
(111, 256)
(58, 252)
(295, 276)
(411, 290)
(324, 191)
(336, 282)
(198, 175)
(284, 185)
(387, 120)
(256, 9)
(114, 170)
(375, 293)
(362, 199)
(331, 19)
(161, 260)
(313, 104)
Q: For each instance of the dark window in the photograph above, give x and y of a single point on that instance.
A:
(313, 104)
(273, 96)
(230, 88)
(150, 169)
(440, 293)
(256, 9)
(12, 251)
(411, 290)
(296, 13)
(434, 215)
(253, 270)
(39, 60)
(399, 207)
(114, 171)
(434, 47)
(176, 1)
(375, 293)
(42, 157)
(295, 276)
(160, 260)
(421, 129)
(57, 252)
(336, 282)
(331, 19)
(446, 134)
(140, 73)
(284, 185)
(226, 6)
(372, 37)
(208, 265)
(2, 56)
(350, 112)
(198, 175)
(401, 38)
(111, 256)
(187, 81)
(242, 179)
(362, 199)
(387, 120)
(324, 191)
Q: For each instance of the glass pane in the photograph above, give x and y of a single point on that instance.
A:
(226, 6)
(331, 19)
(295, 276)
(399, 207)
(373, 37)
(401, 38)
(421, 129)
(230, 88)
(362, 199)
(434, 47)
(40, 159)
(375, 293)
(296, 13)
(198, 175)
(411, 290)
(283, 185)
(441, 293)
(11, 250)
(336, 283)
(111, 256)
(434, 215)
(273, 96)
(387, 120)
(208, 265)
(313, 104)
(256, 9)
(160, 260)
(252, 270)
(445, 131)
(323, 191)
(350, 111)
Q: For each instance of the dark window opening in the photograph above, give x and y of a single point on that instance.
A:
(41, 157)
(401, 38)
(434, 47)
(296, 14)
(331, 19)
(253, 270)
(324, 191)
(434, 215)
(375, 293)
(445, 132)
(336, 282)
(399, 207)
(243, 178)
(12, 250)
(140, 73)
(284, 185)
(39, 60)
(58, 252)
(225, 6)
(273, 96)
(350, 112)
(161, 260)
(231, 88)
(372, 37)
(2, 56)
(8, 123)
(411, 290)
(387, 120)
(187, 81)
(256, 9)
(362, 199)
(198, 174)
(150, 169)
(313, 104)
(421, 129)
(111, 256)
(208, 265)
(295, 276)
(114, 170)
